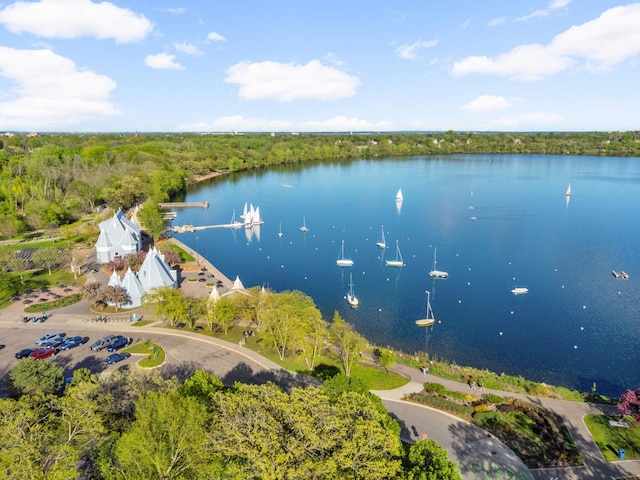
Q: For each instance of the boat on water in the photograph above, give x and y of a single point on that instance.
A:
(382, 243)
(342, 260)
(287, 185)
(568, 194)
(280, 231)
(399, 197)
(251, 216)
(398, 262)
(235, 223)
(429, 319)
(352, 300)
(435, 273)
(621, 274)
(520, 290)
(304, 228)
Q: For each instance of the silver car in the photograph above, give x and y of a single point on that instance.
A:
(103, 342)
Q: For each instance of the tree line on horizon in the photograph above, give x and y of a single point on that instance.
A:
(51, 180)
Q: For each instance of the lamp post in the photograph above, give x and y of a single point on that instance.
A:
(198, 250)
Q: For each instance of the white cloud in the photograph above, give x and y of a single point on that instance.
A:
(601, 43)
(486, 103)
(50, 91)
(75, 18)
(242, 124)
(216, 37)
(286, 82)
(333, 59)
(410, 51)
(554, 6)
(162, 61)
(188, 48)
(175, 11)
(497, 21)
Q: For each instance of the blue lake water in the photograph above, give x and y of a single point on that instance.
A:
(577, 325)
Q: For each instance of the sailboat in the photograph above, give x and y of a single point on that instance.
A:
(399, 197)
(429, 320)
(382, 243)
(351, 297)
(342, 261)
(520, 290)
(437, 273)
(280, 231)
(569, 191)
(398, 261)
(304, 228)
(234, 223)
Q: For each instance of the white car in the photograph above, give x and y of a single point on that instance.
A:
(49, 336)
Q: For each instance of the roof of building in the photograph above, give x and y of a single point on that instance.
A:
(155, 272)
(132, 285)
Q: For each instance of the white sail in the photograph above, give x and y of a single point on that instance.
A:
(382, 243)
(304, 228)
(569, 191)
(429, 319)
(244, 211)
(280, 231)
(342, 261)
(399, 197)
(398, 262)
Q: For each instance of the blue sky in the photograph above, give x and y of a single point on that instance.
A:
(149, 65)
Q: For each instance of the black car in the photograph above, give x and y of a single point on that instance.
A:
(72, 342)
(24, 352)
(118, 343)
(116, 357)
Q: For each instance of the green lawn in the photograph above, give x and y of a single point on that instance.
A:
(34, 280)
(154, 353)
(185, 256)
(609, 438)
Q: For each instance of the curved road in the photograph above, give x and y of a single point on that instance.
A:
(479, 455)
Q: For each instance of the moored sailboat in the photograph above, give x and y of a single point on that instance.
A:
(429, 319)
(280, 231)
(304, 228)
(351, 296)
(382, 243)
(342, 260)
(398, 262)
(399, 196)
(435, 273)
(568, 194)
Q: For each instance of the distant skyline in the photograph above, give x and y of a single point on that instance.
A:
(329, 66)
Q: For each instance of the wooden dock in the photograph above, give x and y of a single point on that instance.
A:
(183, 205)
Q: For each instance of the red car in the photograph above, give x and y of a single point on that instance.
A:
(43, 352)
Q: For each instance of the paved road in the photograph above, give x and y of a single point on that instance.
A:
(479, 456)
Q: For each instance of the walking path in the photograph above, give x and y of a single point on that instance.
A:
(479, 455)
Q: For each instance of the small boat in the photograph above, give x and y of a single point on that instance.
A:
(621, 274)
(351, 296)
(287, 185)
(520, 290)
(429, 320)
(568, 194)
(435, 273)
(382, 243)
(234, 223)
(342, 261)
(399, 197)
(304, 228)
(398, 262)
(280, 231)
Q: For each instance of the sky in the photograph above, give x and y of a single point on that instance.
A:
(321, 66)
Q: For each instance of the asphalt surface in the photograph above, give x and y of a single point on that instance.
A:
(478, 454)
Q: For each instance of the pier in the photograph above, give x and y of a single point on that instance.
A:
(183, 205)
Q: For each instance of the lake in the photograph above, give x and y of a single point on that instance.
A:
(497, 221)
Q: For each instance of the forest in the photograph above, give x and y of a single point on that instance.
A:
(51, 180)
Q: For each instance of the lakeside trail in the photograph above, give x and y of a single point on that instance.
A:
(478, 454)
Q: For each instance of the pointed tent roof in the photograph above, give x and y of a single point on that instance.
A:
(155, 272)
(214, 296)
(237, 287)
(114, 280)
(103, 240)
(128, 238)
(115, 226)
(132, 285)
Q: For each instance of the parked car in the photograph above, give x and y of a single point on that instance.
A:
(53, 342)
(116, 357)
(49, 336)
(103, 342)
(24, 352)
(43, 352)
(73, 342)
(118, 343)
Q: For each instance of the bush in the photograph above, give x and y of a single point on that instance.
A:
(436, 388)
(483, 407)
(492, 398)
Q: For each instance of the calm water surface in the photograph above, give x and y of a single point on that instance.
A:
(577, 325)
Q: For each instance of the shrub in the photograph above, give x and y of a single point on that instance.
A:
(483, 407)
(492, 398)
(436, 388)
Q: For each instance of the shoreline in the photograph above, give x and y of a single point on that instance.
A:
(208, 176)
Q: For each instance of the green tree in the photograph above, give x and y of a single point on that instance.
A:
(385, 357)
(166, 441)
(316, 334)
(285, 318)
(169, 303)
(348, 343)
(19, 265)
(115, 295)
(221, 314)
(49, 258)
(426, 460)
(35, 377)
(201, 385)
(151, 219)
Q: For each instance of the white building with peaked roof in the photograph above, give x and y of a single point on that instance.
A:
(118, 236)
(134, 288)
